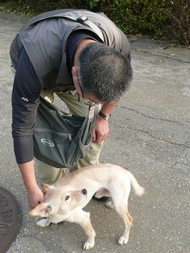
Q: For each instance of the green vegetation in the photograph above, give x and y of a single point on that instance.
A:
(159, 19)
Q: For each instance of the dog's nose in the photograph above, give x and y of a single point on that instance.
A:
(84, 191)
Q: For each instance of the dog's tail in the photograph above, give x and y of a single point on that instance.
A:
(138, 190)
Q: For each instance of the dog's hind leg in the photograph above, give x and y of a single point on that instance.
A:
(122, 209)
(102, 193)
(128, 220)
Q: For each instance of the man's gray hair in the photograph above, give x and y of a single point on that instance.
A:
(104, 72)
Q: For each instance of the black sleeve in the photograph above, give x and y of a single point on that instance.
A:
(25, 100)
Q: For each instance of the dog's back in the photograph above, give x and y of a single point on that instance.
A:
(106, 176)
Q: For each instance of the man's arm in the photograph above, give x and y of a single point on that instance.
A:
(25, 99)
(101, 126)
(35, 195)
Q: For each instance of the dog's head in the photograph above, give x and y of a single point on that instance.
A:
(58, 200)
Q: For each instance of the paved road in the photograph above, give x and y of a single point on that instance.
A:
(149, 135)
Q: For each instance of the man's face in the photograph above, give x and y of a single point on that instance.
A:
(78, 88)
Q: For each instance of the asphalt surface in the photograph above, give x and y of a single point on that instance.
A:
(149, 135)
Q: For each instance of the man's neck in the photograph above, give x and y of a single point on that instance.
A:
(80, 46)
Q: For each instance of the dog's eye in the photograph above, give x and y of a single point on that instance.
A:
(66, 198)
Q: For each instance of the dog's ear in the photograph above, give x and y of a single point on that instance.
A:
(41, 210)
(45, 188)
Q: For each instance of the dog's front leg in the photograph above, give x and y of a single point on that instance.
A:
(88, 228)
(83, 219)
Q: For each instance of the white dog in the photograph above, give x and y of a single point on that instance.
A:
(65, 199)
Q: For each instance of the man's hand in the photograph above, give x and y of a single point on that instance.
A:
(100, 130)
(101, 127)
(35, 197)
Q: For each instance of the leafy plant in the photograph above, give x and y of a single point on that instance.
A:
(161, 19)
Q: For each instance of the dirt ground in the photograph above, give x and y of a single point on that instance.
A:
(149, 135)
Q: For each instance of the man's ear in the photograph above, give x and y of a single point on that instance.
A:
(45, 188)
(75, 77)
(41, 210)
(74, 71)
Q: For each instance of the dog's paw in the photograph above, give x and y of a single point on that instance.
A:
(123, 240)
(109, 203)
(43, 223)
(88, 245)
